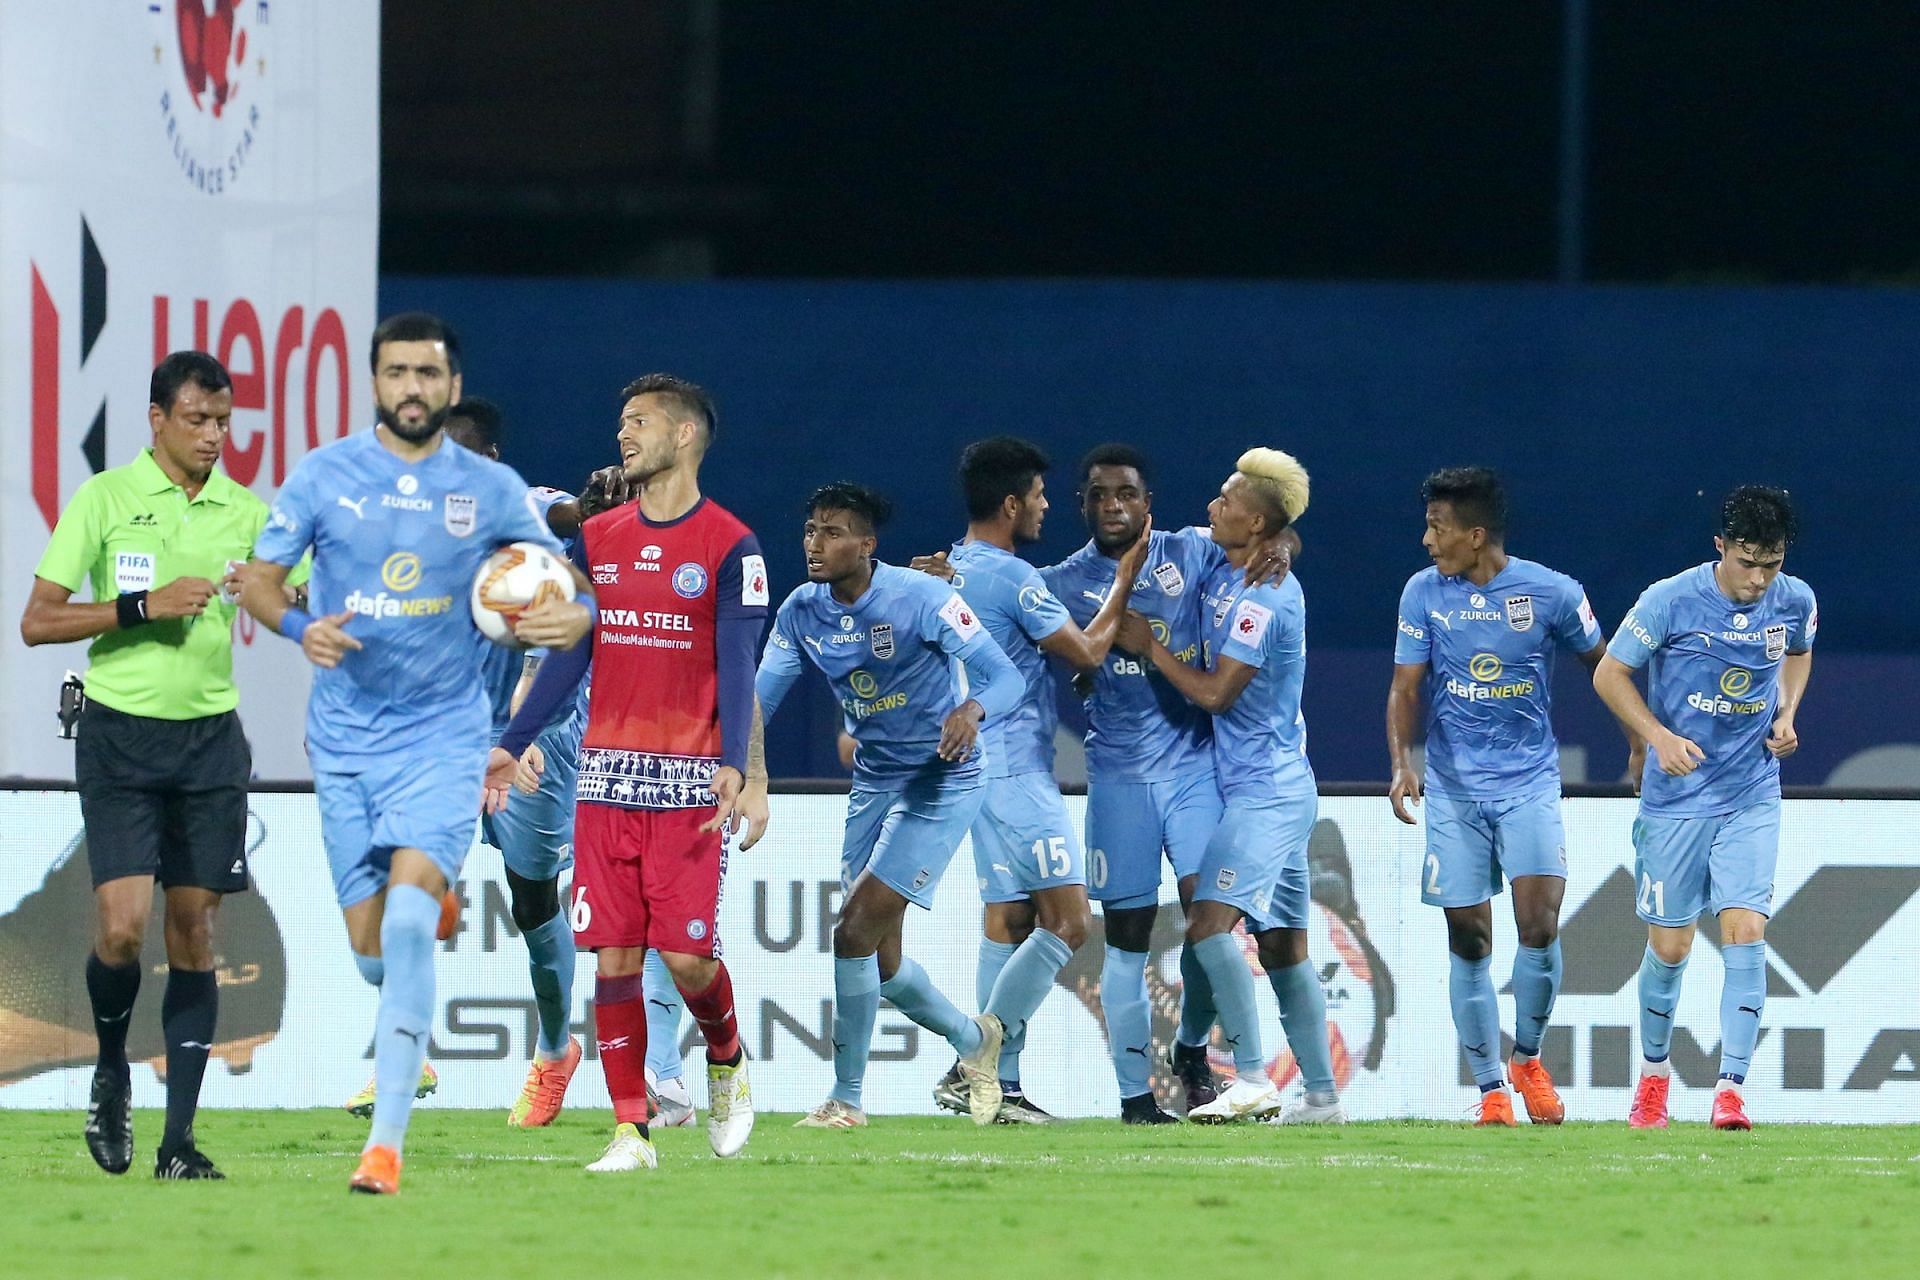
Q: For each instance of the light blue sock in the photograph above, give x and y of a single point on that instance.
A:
(1303, 1014)
(1233, 995)
(550, 962)
(372, 968)
(1659, 994)
(1123, 999)
(913, 993)
(1197, 1014)
(1021, 988)
(405, 1021)
(664, 1005)
(856, 1002)
(993, 958)
(1536, 984)
(1742, 998)
(1476, 1016)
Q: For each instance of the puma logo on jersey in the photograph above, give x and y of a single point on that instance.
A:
(354, 505)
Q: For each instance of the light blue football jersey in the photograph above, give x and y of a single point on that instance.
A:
(1715, 680)
(1489, 653)
(1019, 611)
(397, 545)
(1260, 742)
(1139, 728)
(900, 659)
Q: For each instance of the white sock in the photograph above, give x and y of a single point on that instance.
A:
(1664, 1068)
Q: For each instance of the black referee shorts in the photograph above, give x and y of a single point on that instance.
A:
(164, 798)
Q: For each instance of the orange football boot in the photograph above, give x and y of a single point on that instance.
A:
(1496, 1108)
(545, 1089)
(1730, 1110)
(378, 1174)
(449, 915)
(1537, 1091)
(1650, 1103)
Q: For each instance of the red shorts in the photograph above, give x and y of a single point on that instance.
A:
(647, 878)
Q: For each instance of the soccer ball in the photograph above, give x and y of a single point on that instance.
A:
(514, 579)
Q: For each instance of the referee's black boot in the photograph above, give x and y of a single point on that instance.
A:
(184, 1163)
(110, 1120)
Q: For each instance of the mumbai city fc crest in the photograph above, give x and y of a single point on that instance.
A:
(882, 636)
(1226, 878)
(690, 581)
(459, 514)
(920, 880)
(1776, 638)
(1167, 578)
(1520, 612)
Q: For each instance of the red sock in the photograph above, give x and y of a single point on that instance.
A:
(620, 1029)
(713, 1010)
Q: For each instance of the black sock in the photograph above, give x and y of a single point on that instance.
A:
(187, 1014)
(112, 989)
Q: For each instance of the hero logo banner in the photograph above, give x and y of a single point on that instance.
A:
(121, 141)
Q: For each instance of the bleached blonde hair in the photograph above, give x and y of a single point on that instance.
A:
(1278, 477)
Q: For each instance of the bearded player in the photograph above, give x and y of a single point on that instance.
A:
(670, 756)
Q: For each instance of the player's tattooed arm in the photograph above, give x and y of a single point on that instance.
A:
(753, 796)
(1403, 710)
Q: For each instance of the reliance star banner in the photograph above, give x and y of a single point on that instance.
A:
(193, 173)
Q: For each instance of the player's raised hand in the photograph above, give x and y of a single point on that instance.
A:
(935, 564)
(1135, 635)
(326, 641)
(526, 779)
(725, 786)
(1134, 558)
(501, 771)
(960, 731)
(1272, 560)
(1405, 790)
(754, 808)
(1783, 741)
(181, 598)
(554, 624)
(604, 490)
(1678, 756)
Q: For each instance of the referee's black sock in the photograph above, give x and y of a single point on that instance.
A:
(112, 989)
(187, 1014)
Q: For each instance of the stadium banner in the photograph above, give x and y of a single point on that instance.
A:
(201, 174)
(1839, 1044)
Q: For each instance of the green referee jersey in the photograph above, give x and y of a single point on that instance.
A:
(132, 528)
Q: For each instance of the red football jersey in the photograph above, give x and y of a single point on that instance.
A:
(653, 716)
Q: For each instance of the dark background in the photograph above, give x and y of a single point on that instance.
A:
(1654, 251)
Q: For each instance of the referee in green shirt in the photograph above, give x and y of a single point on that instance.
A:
(160, 762)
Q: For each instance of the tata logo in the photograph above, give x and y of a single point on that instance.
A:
(401, 572)
(1484, 666)
(650, 552)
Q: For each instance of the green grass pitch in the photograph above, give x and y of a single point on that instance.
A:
(921, 1199)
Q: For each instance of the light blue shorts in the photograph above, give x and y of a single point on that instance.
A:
(1023, 841)
(1470, 843)
(1257, 861)
(1683, 866)
(534, 833)
(425, 801)
(906, 838)
(1129, 825)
